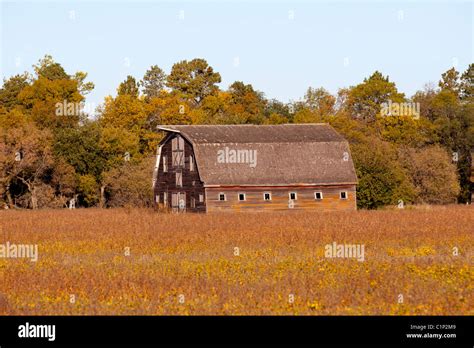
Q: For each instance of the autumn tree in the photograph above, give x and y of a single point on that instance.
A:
(320, 101)
(128, 87)
(432, 173)
(245, 105)
(26, 160)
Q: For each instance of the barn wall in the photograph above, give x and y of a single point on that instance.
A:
(280, 198)
(166, 182)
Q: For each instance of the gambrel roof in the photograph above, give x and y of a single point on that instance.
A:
(289, 154)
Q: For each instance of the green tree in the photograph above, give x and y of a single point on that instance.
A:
(467, 83)
(49, 69)
(382, 180)
(194, 79)
(365, 100)
(450, 81)
(11, 88)
(153, 82)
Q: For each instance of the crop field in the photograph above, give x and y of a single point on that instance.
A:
(140, 262)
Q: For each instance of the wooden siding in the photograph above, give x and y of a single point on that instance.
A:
(166, 182)
(254, 198)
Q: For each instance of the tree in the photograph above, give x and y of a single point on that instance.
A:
(130, 184)
(320, 101)
(11, 88)
(41, 99)
(274, 106)
(128, 87)
(79, 148)
(365, 100)
(26, 160)
(432, 173)
(195, 79)
(450, 81)
(49, 69)
(467, 83)
(382, 180)
(153, 82)
(82, 86)
(245, 105)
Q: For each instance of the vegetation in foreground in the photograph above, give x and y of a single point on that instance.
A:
(139, 262)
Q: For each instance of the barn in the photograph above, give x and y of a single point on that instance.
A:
(210, 168)
(472, 177)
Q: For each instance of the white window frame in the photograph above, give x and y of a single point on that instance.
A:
(165, 199)
(219, 197)
(346, 194)
(242, 200)
(191, 163)
(201, 198)
(316, 198)
(296, 196)
(269, 194)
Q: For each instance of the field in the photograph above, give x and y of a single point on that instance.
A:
(139, 262)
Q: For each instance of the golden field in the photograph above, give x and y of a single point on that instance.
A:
(139, 262)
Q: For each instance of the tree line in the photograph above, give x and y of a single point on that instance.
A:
(406, 150)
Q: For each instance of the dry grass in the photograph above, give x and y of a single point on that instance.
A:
(81, 253)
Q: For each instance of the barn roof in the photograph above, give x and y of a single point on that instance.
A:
(290, 154)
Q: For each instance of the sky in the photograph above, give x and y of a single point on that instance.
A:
(280, 47)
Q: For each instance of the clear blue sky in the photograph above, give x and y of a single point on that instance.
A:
(280, 47)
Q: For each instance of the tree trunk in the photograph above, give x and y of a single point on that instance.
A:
(34, 198)
(102, 197)
(9, 197)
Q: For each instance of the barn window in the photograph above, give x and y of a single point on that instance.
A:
(318, 195)
(177, 148)
(191, 163)
(193, 202)
(293, 196)
(267, 196)
(241, 196)
(179, 179)
(165, 199)
(201, 198)
(343, 194)
(157, 198)
(165, 164)
(222, 196)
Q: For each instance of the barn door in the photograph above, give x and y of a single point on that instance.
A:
(178, 202)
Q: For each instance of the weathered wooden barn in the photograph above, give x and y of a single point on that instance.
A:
(208, 168)
(472, 177)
